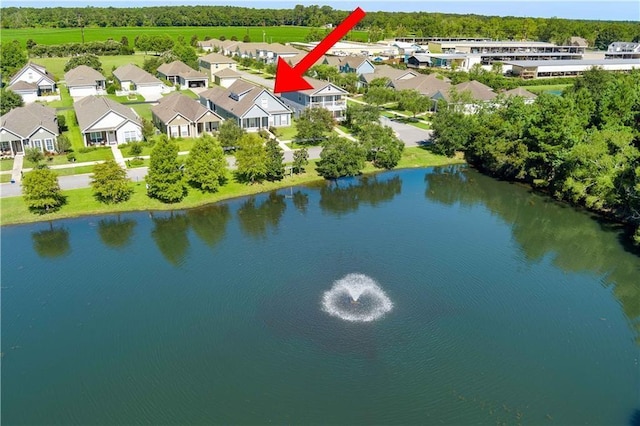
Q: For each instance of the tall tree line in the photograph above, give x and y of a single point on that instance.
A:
(380, 24)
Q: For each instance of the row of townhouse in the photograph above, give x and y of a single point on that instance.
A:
(265, 52)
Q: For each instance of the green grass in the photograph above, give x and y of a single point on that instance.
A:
(80, 202)
(546, 88)
(126, 98)
(74, 170)
(287, 133)
(6, 164)
(102, 153)
(56, 65)
(73, 132)
(5, 178)
(189, 93)
(143, 110)
(74, 35)
(65, 99)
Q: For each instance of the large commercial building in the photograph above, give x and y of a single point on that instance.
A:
(536, 69)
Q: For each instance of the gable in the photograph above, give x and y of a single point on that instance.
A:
(366, 68)
(330, 89)
(255, 112)
(269, 102)
(31, 74)
(109, 121)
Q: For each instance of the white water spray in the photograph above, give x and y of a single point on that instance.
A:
(356, 298)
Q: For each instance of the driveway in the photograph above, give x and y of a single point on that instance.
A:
(410, 135)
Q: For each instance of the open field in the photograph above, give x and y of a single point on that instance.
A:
(80, 202)
(555, 88)
(56, 65)
(73, 35)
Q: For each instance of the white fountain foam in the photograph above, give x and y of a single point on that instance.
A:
(355, 286)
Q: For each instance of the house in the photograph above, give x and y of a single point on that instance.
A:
(385, 71)
(33, 82)
(294, 60)
(104, 121)
(277, 50)
(85, 81)
(225, 77)
(178, 115)
(426, 85)
(467, 95)
(578, 41)
(528, 97)
(253, 107)
(30, 126)
(208, 45)
(214, 62)
(357, 64)
(183, 75)
(134, 79)
(323, 94)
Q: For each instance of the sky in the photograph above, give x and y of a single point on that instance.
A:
(618, 10)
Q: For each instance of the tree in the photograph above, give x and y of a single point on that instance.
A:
(186, 54)
(230, 133)
(148, 130)
(194, 40)
(312, 124)
(340, 157)
(34, 155)
(9, 100)
(63, 144)
(143, 42)
(160, 43)
(31, 44)
(324, 72)
(206, 167)
(359, 116)
(383, 148)
(165, 180)
(41, 191)
(251, 158)
(110, 183)
(124, 40)
(300, 159)
(451, 130)
(246, 39)
(12, 58)
(151, 64)
(275, 159)
(413, 101)
(380, 95)
(89, 60)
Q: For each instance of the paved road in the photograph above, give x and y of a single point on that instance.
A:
(257, 80)
(410, 135)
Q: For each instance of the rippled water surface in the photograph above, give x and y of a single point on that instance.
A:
(506, 308)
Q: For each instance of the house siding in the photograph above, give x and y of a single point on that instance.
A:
(129, 126)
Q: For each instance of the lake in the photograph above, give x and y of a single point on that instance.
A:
(504, 308)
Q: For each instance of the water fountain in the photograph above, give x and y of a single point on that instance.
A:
(356, 298)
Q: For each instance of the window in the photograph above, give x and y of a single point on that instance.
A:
(130, 136)
(184, 130)
(49, 144)
(95, 136)
(264, 102)
(174, 131)
(27, 144)
(37, 144)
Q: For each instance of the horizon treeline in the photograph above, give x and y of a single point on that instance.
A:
(379, 24)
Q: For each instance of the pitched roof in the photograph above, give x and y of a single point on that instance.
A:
(130, 72)
(38, 68)
(246, 92)
(318, 85)
(24, 121)
(226, 72)
(181, 69)
(281, 48)
(294, 60)
(355, 61)
(478, 90)
(177, 103)
(92, 108)
(82, 75)
(333, 60)
(519, 91)
(23, 85)
(385, 71)
(427, 85)
(216, 58)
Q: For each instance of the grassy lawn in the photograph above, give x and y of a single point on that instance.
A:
(126, 151)
(102, 153)
(5, 178)
(6, 164)
(81, 202)
(287, 133)
(73, 35)
(74, 170)
(185, 144)
(56, 65)
(73, 132)
(65, 99)
(189, 93)
(546, 88)
(127, 99)
(143, 110)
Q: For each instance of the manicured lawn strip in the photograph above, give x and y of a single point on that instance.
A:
(419, 124)
(125, 99)
(73, 132)
(143, 110)
(189, 93)
(55, 161)
(185, 144)
(546, 88)
(81, 157)
(80, 202)
(74, 170)
(145, 163)
(65, 99)
(73, 35)
(6, 164)
(5, 178)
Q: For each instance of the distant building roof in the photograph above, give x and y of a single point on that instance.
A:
(477, 90)
(226, 73)
(177, 103)
(579, 62)
(216, 58)
(82, 76)
(427, 85)
(519, 91)
(623, 46)
(92, 108)
(385, 71)
(130, 72)
(181, 69)
(25, 121)
(578, 41)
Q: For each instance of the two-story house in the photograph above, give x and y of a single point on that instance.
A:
(30, 126)
(251, 106)
(214, 62)
(323, 94)
(357, 64)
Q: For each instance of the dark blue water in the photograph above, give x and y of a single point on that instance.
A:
(508, 308)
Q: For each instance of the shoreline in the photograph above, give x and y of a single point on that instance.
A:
(13, 210)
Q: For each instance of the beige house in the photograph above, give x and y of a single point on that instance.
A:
(214, 62)
(31, 126)
(177, 115)
(183, 75)
(103, 121)
(225, 77)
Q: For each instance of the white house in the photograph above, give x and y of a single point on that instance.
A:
(31, 126)
(214, 62)
(323, 94)
(183, 75)
(137, 80)
(103, 121)
(225, 77)
(33, 82)
(85, 81)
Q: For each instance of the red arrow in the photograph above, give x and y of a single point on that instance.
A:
(290, 79)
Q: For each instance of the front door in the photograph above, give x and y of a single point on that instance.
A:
(17, 147)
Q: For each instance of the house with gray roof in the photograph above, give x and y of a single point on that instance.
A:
(137, 80)
(225, 77)
(33, 82)
(178, 115)
(322, 94)
(85, 81)
(385, 71)
(526, 95)
(103, 121)
(357, 64)
(30, 126)
(466, 96)
(252, 107)
(183, 75)
(214, 62)
(427, 85)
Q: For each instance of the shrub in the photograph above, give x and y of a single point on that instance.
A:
(86, 149)
(135, 149)
(71, 156)
(274, 130)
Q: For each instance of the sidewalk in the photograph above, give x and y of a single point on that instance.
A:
(16, 173)
(117, 156)
(344, 135)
